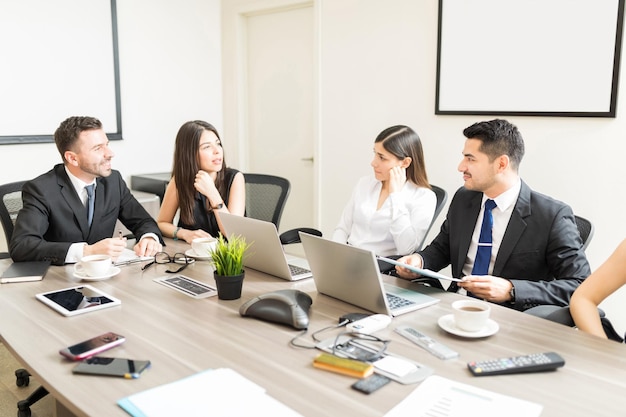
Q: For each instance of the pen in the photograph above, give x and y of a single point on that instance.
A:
(129, 262)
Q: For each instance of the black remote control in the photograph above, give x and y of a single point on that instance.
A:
(536, 362)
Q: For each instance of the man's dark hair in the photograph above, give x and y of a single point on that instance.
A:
(68, 131)
(498, 137)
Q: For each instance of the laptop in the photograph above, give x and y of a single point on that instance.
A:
(266, 252)
(351, 274)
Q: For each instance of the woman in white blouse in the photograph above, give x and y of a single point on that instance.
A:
(389, 212)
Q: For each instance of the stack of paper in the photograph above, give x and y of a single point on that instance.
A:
(219, 392)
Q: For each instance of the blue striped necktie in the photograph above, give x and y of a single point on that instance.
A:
(483, 255)
(90, 202)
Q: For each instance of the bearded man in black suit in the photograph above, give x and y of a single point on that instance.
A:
(54, 222)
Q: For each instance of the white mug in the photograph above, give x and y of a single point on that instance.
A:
(471, 315)
(93, 265)
(203, 246)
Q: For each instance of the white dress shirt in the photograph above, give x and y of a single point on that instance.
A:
(505, 203)
(75, 252)
(396, 228)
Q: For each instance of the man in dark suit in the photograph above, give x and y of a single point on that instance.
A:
(536, 255)
(54, 222)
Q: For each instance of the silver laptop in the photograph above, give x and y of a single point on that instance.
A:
(351, 274)
(266, 253)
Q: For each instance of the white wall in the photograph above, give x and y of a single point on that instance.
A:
(170, 73)
(378, 68)
(377, 65)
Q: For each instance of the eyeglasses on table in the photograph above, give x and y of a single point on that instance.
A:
(165, 258)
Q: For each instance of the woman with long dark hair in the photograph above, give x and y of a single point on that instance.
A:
(202, 186)
(390, 211)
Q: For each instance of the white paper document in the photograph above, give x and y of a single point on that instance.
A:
(441, 397)
(220, 392)
(424, 272)
(128, 257)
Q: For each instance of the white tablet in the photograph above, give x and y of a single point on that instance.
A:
(77, 300)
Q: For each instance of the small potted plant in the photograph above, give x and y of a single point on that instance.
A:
(227, 258)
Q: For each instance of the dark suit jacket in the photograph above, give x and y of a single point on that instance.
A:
(53, 217)
(541, 251)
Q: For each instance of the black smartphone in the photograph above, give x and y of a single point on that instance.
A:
(91, 347)
(371, 383)
(122, 367)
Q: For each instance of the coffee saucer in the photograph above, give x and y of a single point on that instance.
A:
(192, 254)
(447, 323)
(112, 272)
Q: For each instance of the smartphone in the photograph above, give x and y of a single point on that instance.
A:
(91, 347)
(125, 368)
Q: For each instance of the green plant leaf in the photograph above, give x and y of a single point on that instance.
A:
(227, 256)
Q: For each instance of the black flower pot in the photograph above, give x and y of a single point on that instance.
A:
(229, 287)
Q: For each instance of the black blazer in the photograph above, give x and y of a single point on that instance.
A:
(541, 251)
(53, 217)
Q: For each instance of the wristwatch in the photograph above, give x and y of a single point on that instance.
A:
(219, 206)
(512, 294)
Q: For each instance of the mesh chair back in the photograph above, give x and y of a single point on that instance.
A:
(11, 195)
(266, 196)
(442, 197)
(585, 228)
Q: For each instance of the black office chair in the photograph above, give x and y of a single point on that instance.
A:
(442, 197)
(585, 229)
(266, 196)
(11, 195)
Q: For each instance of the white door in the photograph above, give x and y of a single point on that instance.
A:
(279, 104)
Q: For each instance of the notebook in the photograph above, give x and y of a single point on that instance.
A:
(351, 274)
(266, 253)
(25, 271)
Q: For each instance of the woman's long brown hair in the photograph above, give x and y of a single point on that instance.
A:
(187, 164)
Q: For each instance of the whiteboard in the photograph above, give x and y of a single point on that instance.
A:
(58, 59)
(529, 57)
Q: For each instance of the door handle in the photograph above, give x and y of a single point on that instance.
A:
(309, 159)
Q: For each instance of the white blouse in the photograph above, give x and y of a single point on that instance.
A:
(394, 229)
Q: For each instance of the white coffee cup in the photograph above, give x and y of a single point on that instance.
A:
(93, 265)
(471, 315)
(202, 246)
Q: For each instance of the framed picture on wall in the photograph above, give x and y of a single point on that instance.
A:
(529, 58)
(59, 59)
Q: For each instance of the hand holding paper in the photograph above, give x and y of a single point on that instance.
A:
(425, 272)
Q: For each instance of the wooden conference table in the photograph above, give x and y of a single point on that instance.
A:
(182, 336)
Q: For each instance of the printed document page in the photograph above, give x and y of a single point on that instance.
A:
(441, 397)
(219, 392)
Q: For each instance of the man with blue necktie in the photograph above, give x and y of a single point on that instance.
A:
(510, 244)
(71, 211)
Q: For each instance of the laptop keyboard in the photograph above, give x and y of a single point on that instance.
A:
(296, 270)
(397, 302)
